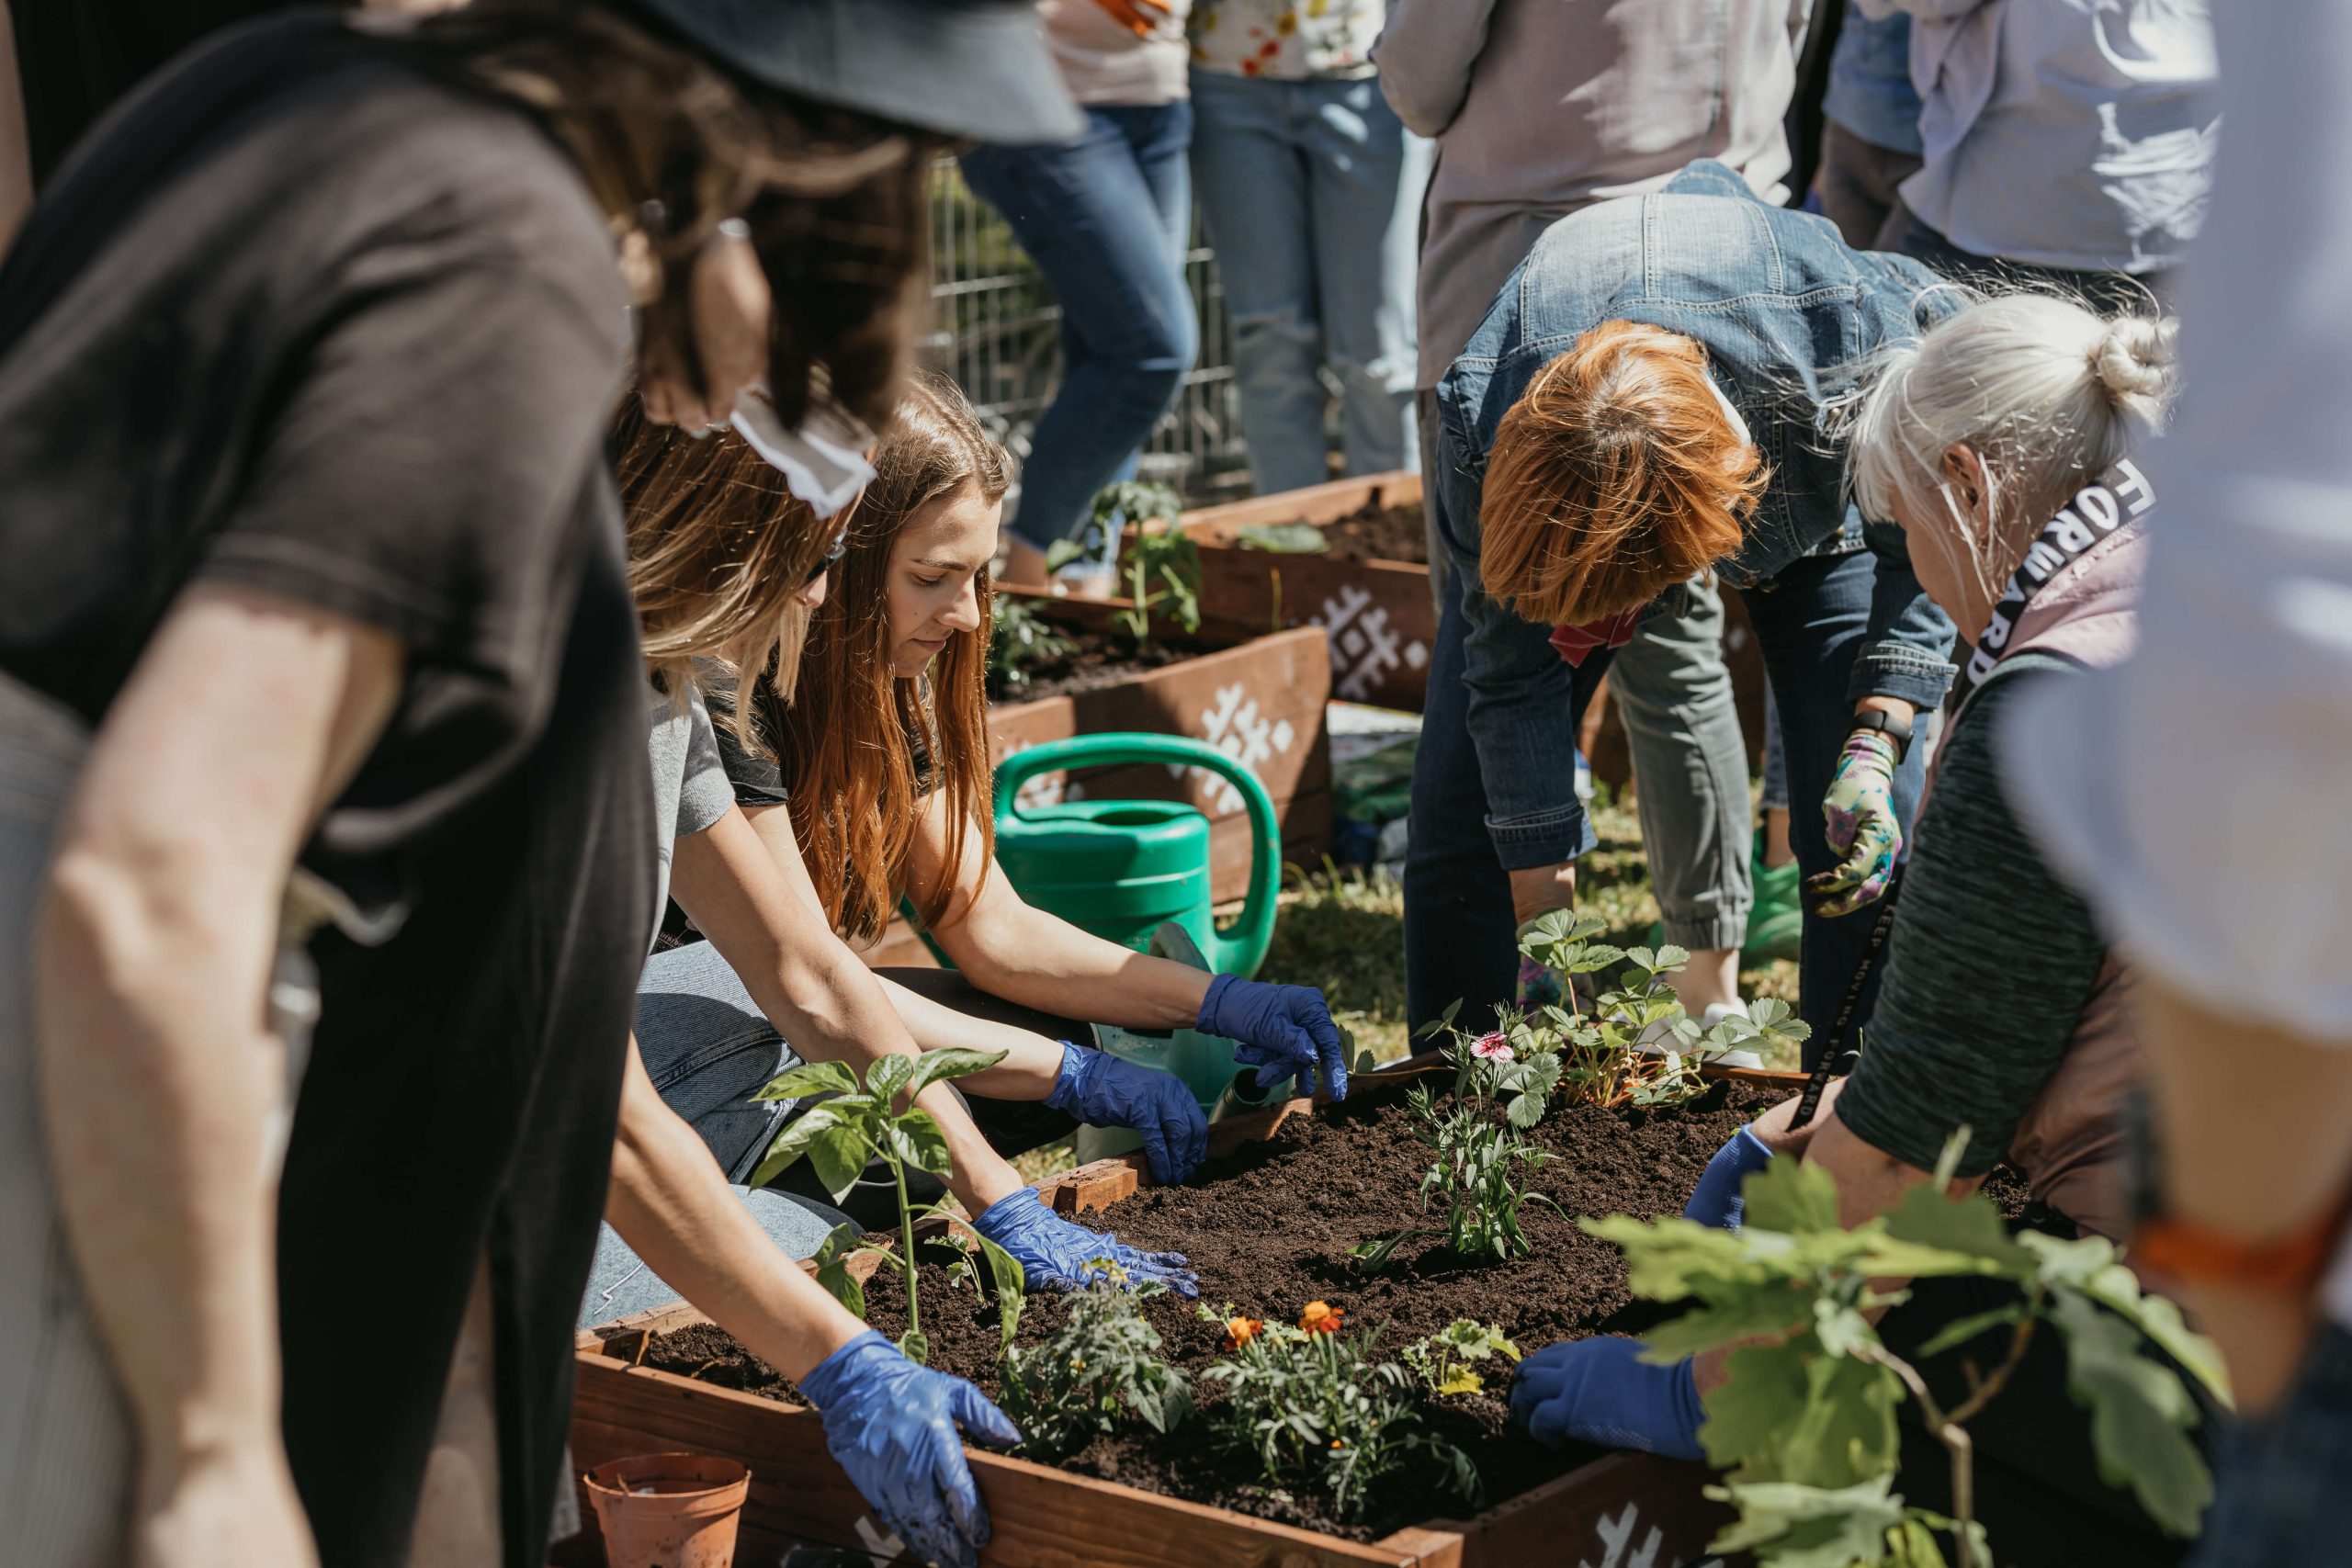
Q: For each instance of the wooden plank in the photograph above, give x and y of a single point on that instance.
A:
(1316, 503)
(1042, 1518)
(1628, 1507)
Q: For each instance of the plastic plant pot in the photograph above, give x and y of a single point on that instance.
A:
(669, 1510)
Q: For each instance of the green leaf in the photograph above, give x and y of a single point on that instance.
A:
(807, 1078)
(2141, 1413)
(1845, 1432)
(1841, 1329)
(915, 1348)
(1749, 1415)
(838, 1155)
(1669, 957)
(833, 1268)
(951, 1062)
(1372, 1256)
(1793, 1197)
(2116, 1288)
(793, 1141)
(1062, 552)
(1791, 1525)
(915, 1139)
(1767, 1310)
(1283, 538)
(1931, 1235)
(1961, 1331)
(1012, 1284)
(886, 1076)
(1525, 1111)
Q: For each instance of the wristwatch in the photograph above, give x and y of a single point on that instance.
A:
(1897, 729)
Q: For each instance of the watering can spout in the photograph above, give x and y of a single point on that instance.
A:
(1122, 868)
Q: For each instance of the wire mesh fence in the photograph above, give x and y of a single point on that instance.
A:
(997, 329)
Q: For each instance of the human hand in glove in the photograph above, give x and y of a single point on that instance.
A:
(1283, 1032)
(1716, 1201)
(1859, 809)
(1054, 1253)
(1102, 1090)
(1600, 1390)
(891, 1425)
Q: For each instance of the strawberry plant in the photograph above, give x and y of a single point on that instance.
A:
(1806, 1427)
(1446, 1362)
(1102, 1364)
(854, 1125)
(1315, 1408)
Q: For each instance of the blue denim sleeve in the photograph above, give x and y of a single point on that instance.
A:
(1517, 698)
(1907, 653)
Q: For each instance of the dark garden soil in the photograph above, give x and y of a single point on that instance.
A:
(1097, 659)
(1268, 1229)
(1379, 533)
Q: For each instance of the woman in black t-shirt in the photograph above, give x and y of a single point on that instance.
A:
(316, 616)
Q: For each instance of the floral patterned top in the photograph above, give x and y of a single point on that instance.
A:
(1286, 39)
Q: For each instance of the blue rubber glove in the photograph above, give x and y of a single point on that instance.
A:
(1283, 1032)
(1054, 1253)
(891, 1425)
(1102, 1090)
(1716, 1200)
(1600, 1390)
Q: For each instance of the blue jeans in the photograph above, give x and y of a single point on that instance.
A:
(1105, 217)
(1312, 194)
(2280, 1499)
(1460, 938)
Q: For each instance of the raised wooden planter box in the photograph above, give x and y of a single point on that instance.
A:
(1258, 698)
(1619, 1512)
(1378, 613)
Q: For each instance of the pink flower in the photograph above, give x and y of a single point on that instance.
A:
(1493, 1048)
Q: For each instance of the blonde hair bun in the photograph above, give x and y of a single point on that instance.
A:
(2135, 364)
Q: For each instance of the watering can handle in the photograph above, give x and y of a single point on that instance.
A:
(1240, 950)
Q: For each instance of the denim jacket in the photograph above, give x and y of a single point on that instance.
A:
(1779, 304)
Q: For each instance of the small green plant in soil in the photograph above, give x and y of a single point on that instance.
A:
(1480, 1177)
(1101, 1367)
(1316, 1409)
(1806, 1425)
(1020, 640)
(1159, 565)
(1447, 1362)
(1283, 538)
(840, 1134)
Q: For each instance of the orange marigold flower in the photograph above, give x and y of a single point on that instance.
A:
(1239, 1331)
(1321, 1317)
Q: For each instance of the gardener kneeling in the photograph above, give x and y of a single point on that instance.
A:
(2001, 1008)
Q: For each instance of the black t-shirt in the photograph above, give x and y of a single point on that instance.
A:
(76, 58)
(305, 320)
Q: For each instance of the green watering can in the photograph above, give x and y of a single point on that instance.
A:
(1137, 873)
(1120, 868)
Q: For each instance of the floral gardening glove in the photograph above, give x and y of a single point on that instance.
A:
(1859, 809)
(1538, 987)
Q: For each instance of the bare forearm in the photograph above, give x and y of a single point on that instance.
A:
(15, 142)
(1028, 956)
(670, 1202)
(158, 1080)
(2244, 1159)
(1031, 1064)
(1540, 889)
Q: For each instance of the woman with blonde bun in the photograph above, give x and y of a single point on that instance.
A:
(2002, 442)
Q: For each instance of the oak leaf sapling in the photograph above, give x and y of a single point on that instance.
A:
(1100, 1367)
(1805, 1426)
(855, 1123)
(1317, 1409)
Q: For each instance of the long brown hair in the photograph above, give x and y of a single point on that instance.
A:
(851, 739)
(719, 550)
(673, 145)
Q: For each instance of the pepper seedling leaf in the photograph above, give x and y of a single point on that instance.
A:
(833, 1268)
(952, 1062)
(794, 1141)
(807, 1078)
(916, 1141)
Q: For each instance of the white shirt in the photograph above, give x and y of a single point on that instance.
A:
(2201, 792)
(1104, 64)
(2065, 133)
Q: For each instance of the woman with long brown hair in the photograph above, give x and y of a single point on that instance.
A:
(315, 617)
(879, 788)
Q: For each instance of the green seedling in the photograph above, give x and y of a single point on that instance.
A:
(1447, 1361)
(1479, 1178)
(1101, 1367)
(1160, 563)
(1805, 1428)
(1316, 1408)
(1020, 640)
(1283, 539)
(854, 1125)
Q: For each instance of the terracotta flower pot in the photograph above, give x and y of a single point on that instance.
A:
(669, 1510)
